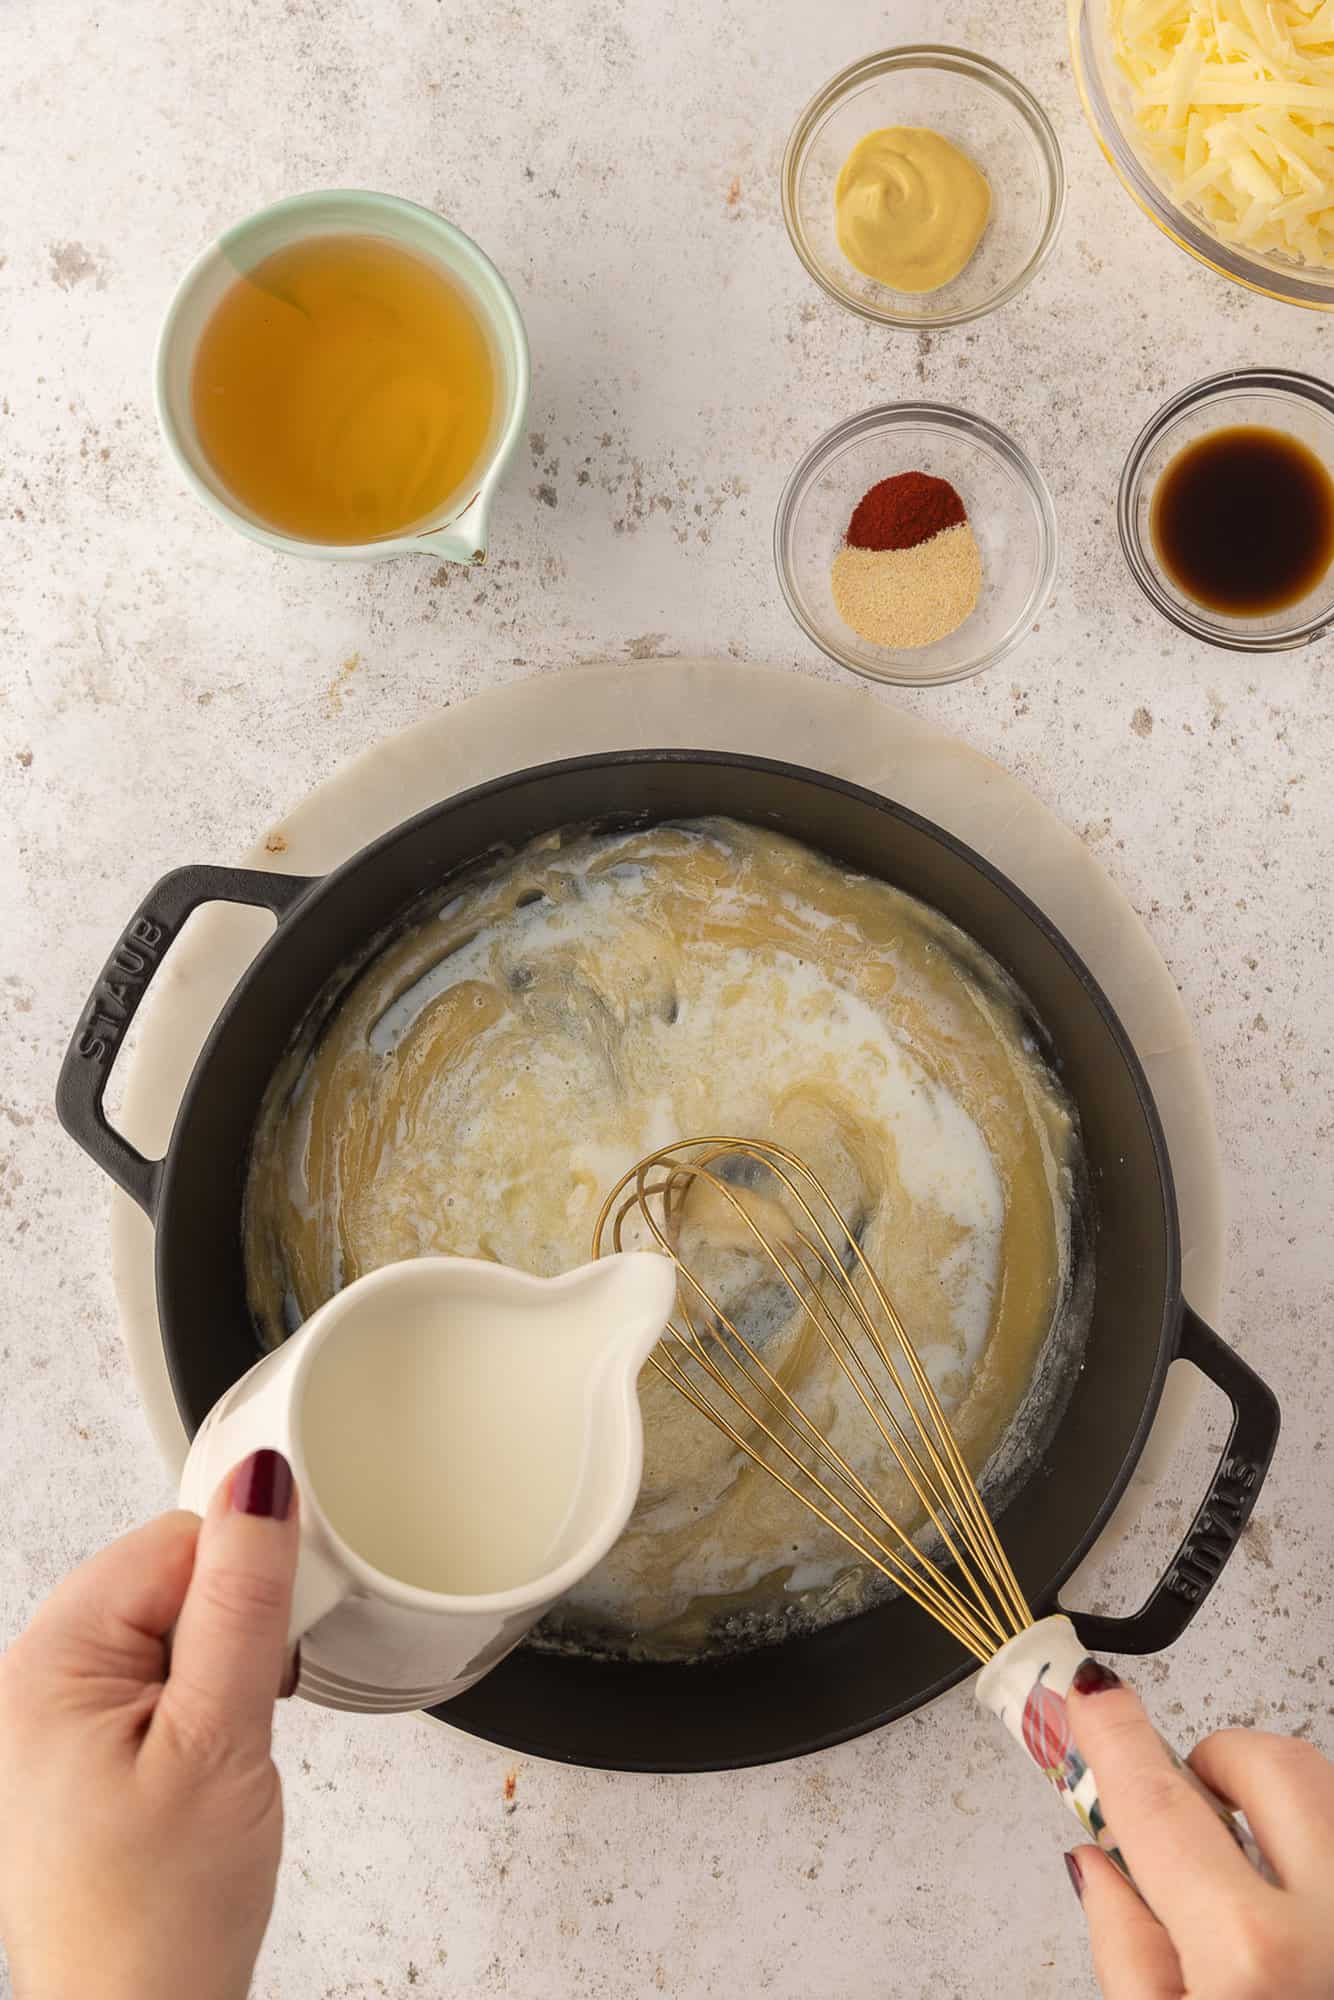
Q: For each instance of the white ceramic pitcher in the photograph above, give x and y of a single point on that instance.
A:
(356, 1402)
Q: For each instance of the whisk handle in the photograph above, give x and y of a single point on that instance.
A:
(1223, 1513)
(1026, 1685)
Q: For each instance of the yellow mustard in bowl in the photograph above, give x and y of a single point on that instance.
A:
(910, 208)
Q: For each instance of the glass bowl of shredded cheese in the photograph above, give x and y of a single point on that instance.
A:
(1218, 118)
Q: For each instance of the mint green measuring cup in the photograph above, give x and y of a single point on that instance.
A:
(459, 532)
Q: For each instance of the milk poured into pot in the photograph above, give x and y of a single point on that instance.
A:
(494, 1069)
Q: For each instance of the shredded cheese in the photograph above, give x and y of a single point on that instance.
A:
(1232, 102)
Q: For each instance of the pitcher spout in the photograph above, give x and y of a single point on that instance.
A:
(631, 1294)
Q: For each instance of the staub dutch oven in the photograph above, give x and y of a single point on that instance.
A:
(808, 1691)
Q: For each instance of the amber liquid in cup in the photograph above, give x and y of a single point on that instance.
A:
(344, 389)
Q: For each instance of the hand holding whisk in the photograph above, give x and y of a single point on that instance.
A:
(746, 1221)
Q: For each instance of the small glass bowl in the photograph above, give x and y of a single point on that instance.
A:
(990, 116)
(1105, 98)
(1275, 398)
(1008, 506)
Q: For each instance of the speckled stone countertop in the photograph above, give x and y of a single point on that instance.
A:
(166, 690)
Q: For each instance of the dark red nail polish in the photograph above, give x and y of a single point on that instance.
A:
(293, 1674)
(262, 1484)
(1092, 1677)
(1076, 1874)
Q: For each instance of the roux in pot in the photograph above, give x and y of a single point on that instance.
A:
(493, 1070)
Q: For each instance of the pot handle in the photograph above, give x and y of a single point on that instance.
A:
(1224, 1512)
(114, 1002)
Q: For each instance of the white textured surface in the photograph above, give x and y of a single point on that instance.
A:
(166, 690)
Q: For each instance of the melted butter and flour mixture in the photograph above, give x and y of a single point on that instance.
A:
(483, 1083)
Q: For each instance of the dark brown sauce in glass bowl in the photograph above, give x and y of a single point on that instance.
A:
(1243, 520)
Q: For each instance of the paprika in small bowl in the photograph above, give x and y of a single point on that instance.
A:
(973, 483)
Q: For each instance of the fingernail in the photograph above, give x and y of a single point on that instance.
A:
(1092, 1677)
(293, 1674)
(1076, 1874)
(262, 1484)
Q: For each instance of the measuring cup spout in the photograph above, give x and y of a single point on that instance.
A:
(465, 538)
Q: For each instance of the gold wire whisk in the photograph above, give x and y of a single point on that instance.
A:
(802, 1242)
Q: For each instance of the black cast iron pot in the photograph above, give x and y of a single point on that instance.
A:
(809, 1691)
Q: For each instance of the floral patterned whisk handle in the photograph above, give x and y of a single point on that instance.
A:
(1025, 1685)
